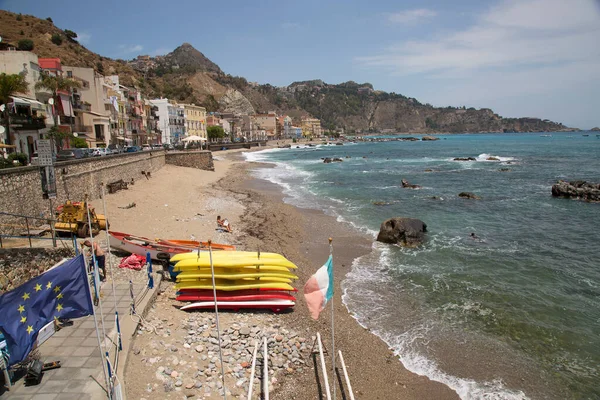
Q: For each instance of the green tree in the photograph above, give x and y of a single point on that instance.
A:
(19, 17)
(25, 44)
(57, 136)
(215, 132)
(54, 84)
(49, 20)
(70, 35)
(78, 143)
(10, 85)
(57, 39)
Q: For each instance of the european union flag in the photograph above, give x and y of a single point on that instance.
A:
(61, 292)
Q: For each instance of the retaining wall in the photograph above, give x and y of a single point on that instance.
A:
(192, 159)
(21, 188)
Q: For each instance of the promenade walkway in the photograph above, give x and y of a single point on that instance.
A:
(76, 347)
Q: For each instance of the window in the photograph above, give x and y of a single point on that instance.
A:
(69, 74)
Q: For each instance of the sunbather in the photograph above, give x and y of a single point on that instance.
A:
(223, 223)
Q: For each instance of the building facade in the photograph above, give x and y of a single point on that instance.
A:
(195, 120)
(163, 124)
(92, 120)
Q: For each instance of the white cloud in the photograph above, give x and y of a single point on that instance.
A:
(290, 25)
(513, 51)
(84, 38)
(161, 51)
(128, 48)
(411, 16)
(522, 33)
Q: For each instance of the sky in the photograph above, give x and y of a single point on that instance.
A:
(521, 58)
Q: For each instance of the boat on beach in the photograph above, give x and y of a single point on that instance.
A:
(141, 245)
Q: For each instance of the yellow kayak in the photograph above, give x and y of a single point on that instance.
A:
(236, 278)
(234, 262)
(234, 274)
(227, 285)
(233, 270)
(216, 254)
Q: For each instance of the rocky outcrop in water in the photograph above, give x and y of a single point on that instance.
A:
(465, 159)
(577, 190)
(407, 185)
(407, 232)
(426, 138)
(469, 195)
(328, 160)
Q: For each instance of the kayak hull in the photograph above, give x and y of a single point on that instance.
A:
(274, 305)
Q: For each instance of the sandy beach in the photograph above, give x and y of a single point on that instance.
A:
(183, 203)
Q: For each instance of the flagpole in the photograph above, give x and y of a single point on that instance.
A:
(212, 272)
(332, 322)
(110, 264)
(98, 334)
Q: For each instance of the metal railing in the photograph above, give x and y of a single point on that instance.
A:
(15, 227)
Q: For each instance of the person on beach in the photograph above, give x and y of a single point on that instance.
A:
(100, 257)
(223, 223)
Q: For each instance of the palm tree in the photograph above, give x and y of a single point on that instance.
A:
(9, 85)
(54, 84)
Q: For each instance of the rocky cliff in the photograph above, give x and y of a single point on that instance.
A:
(187, 75)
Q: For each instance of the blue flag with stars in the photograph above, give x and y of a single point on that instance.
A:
(61, 292)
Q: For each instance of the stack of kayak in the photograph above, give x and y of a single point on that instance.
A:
(243, 279)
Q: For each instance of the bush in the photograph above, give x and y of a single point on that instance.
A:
(49, 20)
(4, 163)
(22, 32)
(19, 17)
(78, 143)
(20, 157)
(25, 44)
(70, 34)
(56, 39)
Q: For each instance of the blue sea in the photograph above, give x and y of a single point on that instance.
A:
(514, 314)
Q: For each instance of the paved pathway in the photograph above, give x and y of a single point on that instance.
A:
(76, 347)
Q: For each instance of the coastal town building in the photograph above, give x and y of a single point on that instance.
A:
(311, 127)
(29, 117)
(176, 113)
(195, 120)
(92, 120)
(163, 123)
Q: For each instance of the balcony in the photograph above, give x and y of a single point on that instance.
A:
(27, 122)
(82, 106)
(83, 128)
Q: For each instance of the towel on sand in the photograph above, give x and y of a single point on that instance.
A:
(133, 262)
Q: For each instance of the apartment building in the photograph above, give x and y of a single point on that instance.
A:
(195, 120)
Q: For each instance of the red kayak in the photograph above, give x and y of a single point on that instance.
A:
(236, 295)
(276, 305)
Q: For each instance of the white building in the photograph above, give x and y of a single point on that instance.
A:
(163, 119)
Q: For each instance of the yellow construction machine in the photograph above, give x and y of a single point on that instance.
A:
(72, 217)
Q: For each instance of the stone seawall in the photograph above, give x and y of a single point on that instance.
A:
(192, 159)
(18, 266)
(21, 188)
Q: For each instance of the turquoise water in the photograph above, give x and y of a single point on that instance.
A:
(527, 292)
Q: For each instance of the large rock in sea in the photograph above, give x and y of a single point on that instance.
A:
(407, 232)
(469, 195)
(577, 190)
(405, 184)
(465, 159)
(425, 138)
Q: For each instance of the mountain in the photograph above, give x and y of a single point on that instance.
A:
(187, 75)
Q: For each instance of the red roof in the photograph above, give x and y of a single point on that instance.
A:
(50, 63)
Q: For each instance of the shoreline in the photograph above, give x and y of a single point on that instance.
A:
(375, 371)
